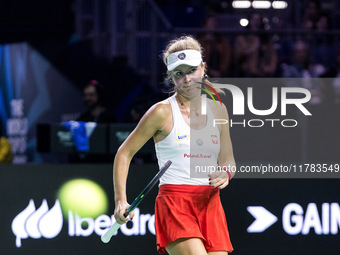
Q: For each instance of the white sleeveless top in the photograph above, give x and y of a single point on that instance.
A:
(190, 164)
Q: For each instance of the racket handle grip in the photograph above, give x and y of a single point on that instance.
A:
(110, 232)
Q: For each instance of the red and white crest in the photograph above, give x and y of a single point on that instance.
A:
(214, 139)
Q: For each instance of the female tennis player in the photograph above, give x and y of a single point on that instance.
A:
(189, 218)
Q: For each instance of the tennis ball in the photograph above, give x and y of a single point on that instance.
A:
(83, 197)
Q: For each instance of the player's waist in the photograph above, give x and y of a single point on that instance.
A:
(185, 188)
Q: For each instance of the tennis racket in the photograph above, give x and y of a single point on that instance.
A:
(109, 232)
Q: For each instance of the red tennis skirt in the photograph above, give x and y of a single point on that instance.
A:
(185, 211)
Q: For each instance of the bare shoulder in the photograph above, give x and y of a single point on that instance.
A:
(163, 105)
(159, 119)
(161, 108)
(159, 111)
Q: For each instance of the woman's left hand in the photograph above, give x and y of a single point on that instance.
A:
(219, 179)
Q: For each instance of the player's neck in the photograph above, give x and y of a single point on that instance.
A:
(189, 102)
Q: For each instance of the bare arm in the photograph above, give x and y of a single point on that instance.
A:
(150, 124)
(226, 155)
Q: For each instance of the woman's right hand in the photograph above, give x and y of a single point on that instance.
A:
(120, 209)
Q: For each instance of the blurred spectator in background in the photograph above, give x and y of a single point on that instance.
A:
(218, 52)
(96, 111)
(192, 11)
(5, 148)
(138, 109)
(303, 67)
(124, 87)
(255, 52)
(332, 86)
(323, 44)
(311, 14)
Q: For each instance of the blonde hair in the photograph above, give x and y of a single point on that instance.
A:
(186, 42)
(179, 44)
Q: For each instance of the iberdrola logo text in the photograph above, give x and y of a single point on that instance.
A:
(47, 223)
